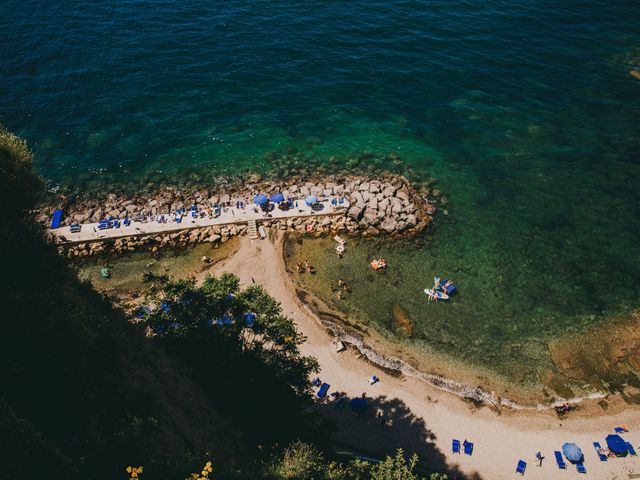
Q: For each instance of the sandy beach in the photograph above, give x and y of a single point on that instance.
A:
(423, 419)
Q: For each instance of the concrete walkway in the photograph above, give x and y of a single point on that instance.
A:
(229, 215)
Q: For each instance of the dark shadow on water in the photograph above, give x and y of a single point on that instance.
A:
(387, 425)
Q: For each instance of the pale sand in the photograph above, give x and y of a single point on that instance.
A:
(425, 419)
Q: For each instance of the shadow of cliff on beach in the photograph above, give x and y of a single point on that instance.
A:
(388, 424)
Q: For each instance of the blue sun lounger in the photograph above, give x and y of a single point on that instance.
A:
(620, 430)
(468, 447)
(560, 460)
(455, 446)
(57, 218)
(521, 467)
(323, 390)
(126, 221)
(631, 450)
(598, 447)
(580, 468)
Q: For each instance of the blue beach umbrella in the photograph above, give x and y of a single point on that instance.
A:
(311, 199)
(249, 318)
(260, 199)
(617, 444)
(572, 452)
(277, 198)
(359, 405)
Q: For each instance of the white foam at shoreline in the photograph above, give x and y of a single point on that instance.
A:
(441, 383)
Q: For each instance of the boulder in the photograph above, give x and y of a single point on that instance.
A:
(356, 197)
(371, 216)
(372, 231)
(396, 205)
(388, 191)
(403, 194)
(389, 225)
(355, 211)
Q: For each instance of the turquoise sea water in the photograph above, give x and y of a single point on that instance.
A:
(524, 111)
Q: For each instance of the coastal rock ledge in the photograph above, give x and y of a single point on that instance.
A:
(382, 205)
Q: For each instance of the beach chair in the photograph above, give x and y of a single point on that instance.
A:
(631, 450)
(455, 446)
(521, 467)
(468, 447)
(116, 223)
(560, 460)
(57, 218)
(323, 390)
(602, 456)
(126, 221)
(580, 468)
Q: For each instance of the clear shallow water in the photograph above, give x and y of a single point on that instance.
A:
(524, 111)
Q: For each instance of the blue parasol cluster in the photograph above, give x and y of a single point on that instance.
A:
(260, 199)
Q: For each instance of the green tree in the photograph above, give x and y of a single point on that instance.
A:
(259, 365)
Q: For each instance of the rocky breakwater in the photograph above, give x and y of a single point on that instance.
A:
(382, 205)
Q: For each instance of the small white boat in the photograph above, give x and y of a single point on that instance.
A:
(262, 232)
(436, 295)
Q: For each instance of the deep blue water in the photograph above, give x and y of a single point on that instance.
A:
(524, 111)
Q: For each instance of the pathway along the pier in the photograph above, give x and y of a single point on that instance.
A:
(89, 232)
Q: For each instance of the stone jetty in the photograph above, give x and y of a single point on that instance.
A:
(372, 206)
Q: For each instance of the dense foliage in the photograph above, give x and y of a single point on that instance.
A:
(240, 348)
(303, 461)
(64, 398)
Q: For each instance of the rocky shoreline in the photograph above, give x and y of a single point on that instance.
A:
(385, 204)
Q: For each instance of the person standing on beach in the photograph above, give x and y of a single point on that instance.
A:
(540, 458)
